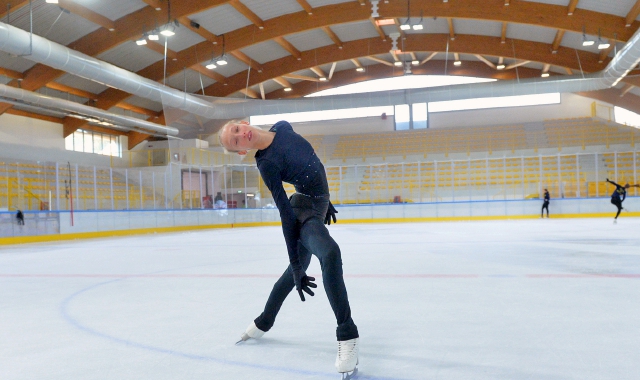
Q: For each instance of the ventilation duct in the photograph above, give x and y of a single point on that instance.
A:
(33, 99)
(16, 41)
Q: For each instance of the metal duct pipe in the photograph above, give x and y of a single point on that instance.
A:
(36, 99)
(16, 41)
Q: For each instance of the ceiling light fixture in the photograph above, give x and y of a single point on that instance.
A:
(287, 89)
(601, 44)
(415, 62)
(544, 75)
(169, 29)
(500, 66)
(211, 65)
(359, 69)
(418, 26)
(585, 41)
(222, 60)
(397, 63)
(52, 1)
(323, 79)
(457, 63)
(141, 41)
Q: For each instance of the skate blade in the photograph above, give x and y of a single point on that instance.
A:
(350, 375)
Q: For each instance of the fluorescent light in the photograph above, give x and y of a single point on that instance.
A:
(153, 36)
(211, 66)
(141, 42)
(287, 89)
(167, 32)
(500, 67)
(417, 27)
(397, 63)
(588, 43)
(222, 61)
(323, 79)
(359, 69)
(603, 45)
(457, 63)
(415, 62)
(386, 21)
(405, 27)
(545, 75)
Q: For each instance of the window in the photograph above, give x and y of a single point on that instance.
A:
(403, 117)
(624, 116)
(93, 142)
(419, 115)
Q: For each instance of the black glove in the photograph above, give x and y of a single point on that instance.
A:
(303, 282)
(331, 214)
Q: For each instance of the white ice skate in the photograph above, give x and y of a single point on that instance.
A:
(347, 358)
(252, 332)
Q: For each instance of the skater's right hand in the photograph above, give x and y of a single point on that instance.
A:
(303, 282)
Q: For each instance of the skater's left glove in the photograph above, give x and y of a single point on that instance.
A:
(303, 282)
(331, 214)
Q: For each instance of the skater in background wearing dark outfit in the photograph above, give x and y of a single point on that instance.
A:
(545, 205)
(618, 196)
(20, 218)
(283, 155)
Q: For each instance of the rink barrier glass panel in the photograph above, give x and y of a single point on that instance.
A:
(49, 186)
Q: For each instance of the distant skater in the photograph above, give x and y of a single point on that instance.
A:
(545, 204)
(20, 218)
(284, 155)
(618, 196)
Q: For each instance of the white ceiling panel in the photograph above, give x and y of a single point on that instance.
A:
(309, 40)
(619, 7)
(52, 23)
(574, 41)
(183, 39)
(321, 3)
(266, 9)
(553, 2)
(112, 9)
(354, 31)
(192, 78)
(144, 103)
(5, 80)
(477, 27)
(531, 33)
(130, 56)
(219, 20)
(268, 86)
(265, 52)
(635, 91)
(14, 63)
(233, 67)
(437, 26)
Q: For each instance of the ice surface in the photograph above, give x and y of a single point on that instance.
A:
(534, 299)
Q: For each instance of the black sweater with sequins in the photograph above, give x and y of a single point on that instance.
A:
(290, 158)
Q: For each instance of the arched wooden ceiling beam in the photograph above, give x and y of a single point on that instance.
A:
(345, 77)
(352, 12)
(520, 12)
(466, 44)
(126, 28)
(476, 69)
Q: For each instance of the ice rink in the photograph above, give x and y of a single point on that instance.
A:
(532, 299)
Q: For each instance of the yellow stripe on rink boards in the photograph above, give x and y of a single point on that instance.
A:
(142, 231)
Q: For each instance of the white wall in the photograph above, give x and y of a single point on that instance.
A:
(24, 138)
(345, 126)
(571, 106)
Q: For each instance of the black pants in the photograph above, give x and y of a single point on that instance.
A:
(314, 239)
(618, 204)
(545, 205)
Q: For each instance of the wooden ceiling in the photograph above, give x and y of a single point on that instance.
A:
(529, 36)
